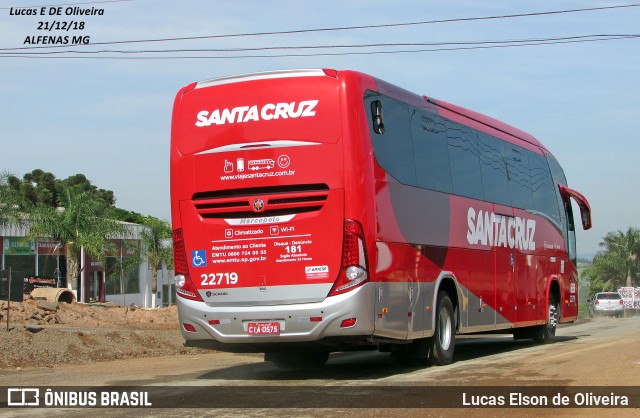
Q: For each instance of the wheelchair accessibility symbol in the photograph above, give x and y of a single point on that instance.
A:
(199, 258)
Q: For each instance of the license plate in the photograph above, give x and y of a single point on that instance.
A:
(263, 328)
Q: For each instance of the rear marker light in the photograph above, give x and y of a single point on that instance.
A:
(353, 271)
(214, 322)
(331, 73)
(184, 286)
(189, 327)
(348, 323)
(315, 319)
(179, 280)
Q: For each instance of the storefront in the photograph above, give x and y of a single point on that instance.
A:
(122, 276)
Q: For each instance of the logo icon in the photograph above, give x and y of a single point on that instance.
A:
(23, 397)
(258, 205)
(228, 233)
(199, 258)
(265, 164)
(284, 161)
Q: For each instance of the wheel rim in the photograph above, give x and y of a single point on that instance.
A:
(445, 329)
(553, 317)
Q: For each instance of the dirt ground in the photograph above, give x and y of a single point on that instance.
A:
(49, 334)
(144, 347)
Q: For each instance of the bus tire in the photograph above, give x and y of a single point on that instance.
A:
(547, 333)
(443, 340)
(297, 360)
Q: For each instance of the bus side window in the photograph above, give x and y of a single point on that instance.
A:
(392, 144)
(566, 212)
(519, 177)
(544, 194)
(571, 244)
(494, 169)
(430, 147)
(465, 161)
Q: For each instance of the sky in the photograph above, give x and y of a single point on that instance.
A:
(110, 118)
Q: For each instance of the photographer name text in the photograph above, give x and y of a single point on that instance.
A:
(65, 24)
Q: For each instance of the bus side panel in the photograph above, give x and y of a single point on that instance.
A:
(505, 277)
(527, 301)
(394, 273)
(474, 262)
(518, 243)
(411, 249)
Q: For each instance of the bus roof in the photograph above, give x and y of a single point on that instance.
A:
(260, 76)
(384, 88)
(412, 98)
(487, 120)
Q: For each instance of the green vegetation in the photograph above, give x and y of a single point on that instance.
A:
(80, 215)
(79, 222)
(154, 236)
(617, 265)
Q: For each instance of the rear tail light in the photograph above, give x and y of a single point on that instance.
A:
(621, 302)
(189, 328)
(597, 302)
(348, 323)
(354, 268)
(184, 284)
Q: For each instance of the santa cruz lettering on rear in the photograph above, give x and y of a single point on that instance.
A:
(270, 111)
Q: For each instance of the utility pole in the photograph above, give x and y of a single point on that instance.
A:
(9, 299)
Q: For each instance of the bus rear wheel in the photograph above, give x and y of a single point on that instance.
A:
(444, 337)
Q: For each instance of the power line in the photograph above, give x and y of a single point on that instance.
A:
(343, 28)
(458, 48)
(339, 46)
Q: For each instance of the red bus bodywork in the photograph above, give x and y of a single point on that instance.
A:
(289, 233)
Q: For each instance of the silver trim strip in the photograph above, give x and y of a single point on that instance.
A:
(248, 146)
(260, 76)
(266, 295)
(267, 220)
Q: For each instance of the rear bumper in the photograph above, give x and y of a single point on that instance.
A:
(613, 310)
(225, 328)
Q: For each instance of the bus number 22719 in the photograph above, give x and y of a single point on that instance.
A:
(217, 279)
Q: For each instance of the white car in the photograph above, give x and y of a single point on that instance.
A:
(606, 303)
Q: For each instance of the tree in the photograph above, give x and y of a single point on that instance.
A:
(123, 265)
(43, 188)
(618, 263)
(81, 222)
(82, 183)
(36, 187)
(627, 248)
(10, 202)
(156, 251)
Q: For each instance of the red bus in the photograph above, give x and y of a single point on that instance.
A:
(317, 211)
